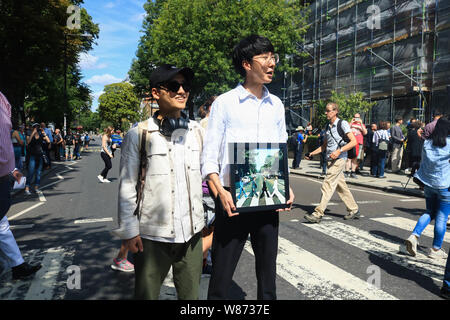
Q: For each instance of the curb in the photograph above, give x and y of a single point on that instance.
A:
(385, 189)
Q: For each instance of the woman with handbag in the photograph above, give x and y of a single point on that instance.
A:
(381, 144)
(35, 141)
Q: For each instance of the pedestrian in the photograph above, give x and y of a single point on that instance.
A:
(69, 142)
(381, 145)
(338, 142)
(206, 111)
(36, 147)
(10, 255)
(57, 138)
(359, 131)
(300, 140)
(107, 153)
(77, 146)
(161, 220)
(247, 113)
(426, 132)
(18, 142)
(414, 146)
(372, 149)
(434, 174)
(47, 146)
(397, 145)
(264, 191)
(87, 138)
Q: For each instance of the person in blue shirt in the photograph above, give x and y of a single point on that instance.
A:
(434, 175)
(300, 142)
(241, 190)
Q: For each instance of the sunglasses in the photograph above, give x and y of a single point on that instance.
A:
(174, 86)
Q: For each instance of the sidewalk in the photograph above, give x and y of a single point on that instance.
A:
(395, 183)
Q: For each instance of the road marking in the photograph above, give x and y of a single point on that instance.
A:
(21, 226)
(25, 211)
(412, 200)
(44, 282)
(358, 202)
(356, 189)
(93, 220)
(409, 225)
(318, 279)
(388, 214)
(378, 246)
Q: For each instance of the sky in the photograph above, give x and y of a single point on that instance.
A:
(120, 22)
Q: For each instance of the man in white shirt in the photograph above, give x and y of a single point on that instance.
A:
(163, 229)
(336, 148)
(248, 113)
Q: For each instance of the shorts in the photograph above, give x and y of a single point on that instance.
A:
(69, 150)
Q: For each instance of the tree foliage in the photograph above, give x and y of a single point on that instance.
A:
(118, 103)
(202, 35)
(349, 104)
(32, 34)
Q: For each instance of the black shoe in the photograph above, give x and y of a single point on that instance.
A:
(24, 270)
(445, 293)
(353, 175)
(354, 215)
(207, 269)
(346, 174)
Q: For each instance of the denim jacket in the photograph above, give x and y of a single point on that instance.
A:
(434, 170)
(158, 202)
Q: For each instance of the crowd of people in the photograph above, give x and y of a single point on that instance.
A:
(175, 208)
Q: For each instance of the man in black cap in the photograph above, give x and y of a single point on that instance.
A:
(160, 191)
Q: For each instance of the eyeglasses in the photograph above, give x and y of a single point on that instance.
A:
(174, 86)
(326, 111)
(267, 58)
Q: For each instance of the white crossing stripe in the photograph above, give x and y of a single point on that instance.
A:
(318, 279)
(409, 225)
(25, 211)
(44, 282)
(269, 201)
(382, 248)
(255, 202)
(412, 200)
(358, 202)
(93, 220)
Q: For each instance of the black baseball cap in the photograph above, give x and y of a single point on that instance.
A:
(166, 72)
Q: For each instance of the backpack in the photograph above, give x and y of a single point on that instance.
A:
(144, 143)
(351, 154)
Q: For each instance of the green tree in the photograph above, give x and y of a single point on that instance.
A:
(202, 35)
(119, 102)
(90, 120)
(349, 104)
(32, 37)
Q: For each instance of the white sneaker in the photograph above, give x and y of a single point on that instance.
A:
(106, 180)
(411, 245)
(100, 178)
(27, 192)
(440, 254)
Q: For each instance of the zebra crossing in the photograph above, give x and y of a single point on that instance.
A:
(313, 275)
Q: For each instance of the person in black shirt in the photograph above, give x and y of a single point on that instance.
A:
(35, 142)
(69, 142)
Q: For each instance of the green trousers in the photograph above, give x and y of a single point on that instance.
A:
(153, 264)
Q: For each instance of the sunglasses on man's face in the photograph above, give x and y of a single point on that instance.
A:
(174, 86)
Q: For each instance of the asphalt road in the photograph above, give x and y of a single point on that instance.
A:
(67, 228)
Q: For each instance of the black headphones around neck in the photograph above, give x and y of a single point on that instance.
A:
(168, 125)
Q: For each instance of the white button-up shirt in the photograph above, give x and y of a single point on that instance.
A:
(239, 116)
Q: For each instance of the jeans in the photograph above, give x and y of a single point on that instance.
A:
(378, 167)
(10, 255)
(34, 168)
(323, 161)
(438, 208)
(298, 156)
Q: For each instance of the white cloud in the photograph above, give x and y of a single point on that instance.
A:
(104, 79)
(89, 62)
(97, 95)
(110, 5)
(138, 17)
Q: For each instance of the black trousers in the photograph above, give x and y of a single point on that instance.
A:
(108, 164)
(230, 235)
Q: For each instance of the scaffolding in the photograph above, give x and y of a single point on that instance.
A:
(397, 52)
